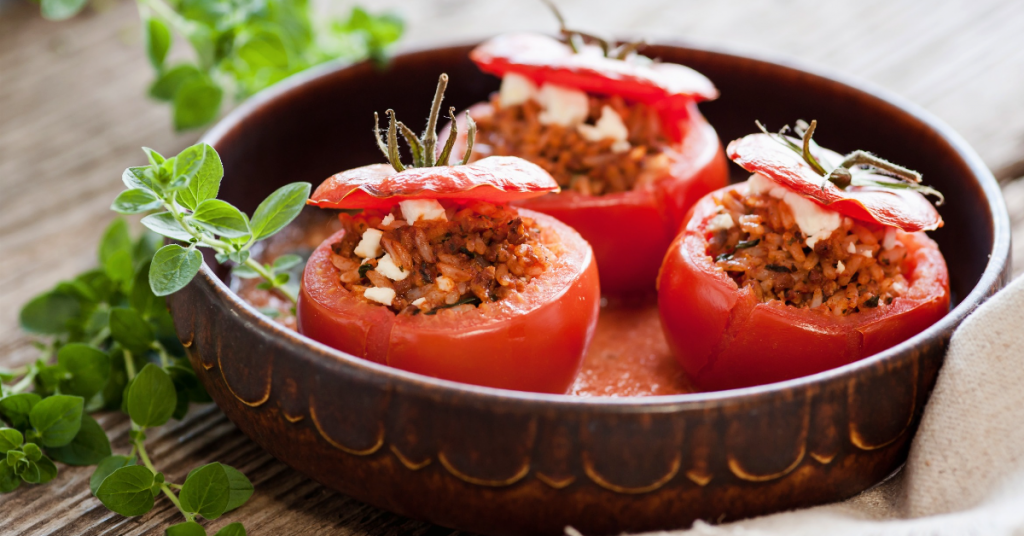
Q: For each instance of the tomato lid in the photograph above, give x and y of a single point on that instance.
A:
(545, 59)
(496, 179)
(859, 185)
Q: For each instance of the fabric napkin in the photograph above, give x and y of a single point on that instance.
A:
(965, 473)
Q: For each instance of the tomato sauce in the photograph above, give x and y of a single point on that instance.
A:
(628, 356)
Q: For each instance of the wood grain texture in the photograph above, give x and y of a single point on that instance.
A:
(73, 115)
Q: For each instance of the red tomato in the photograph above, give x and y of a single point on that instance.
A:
(724, 338)
(630, 231)
(497, 179)
(907, 210)
(534, 341)
(545, 59)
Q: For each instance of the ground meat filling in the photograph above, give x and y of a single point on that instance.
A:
(578, 164)
(859, 267)
(482, 253)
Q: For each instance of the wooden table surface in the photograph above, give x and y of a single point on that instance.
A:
(73, 116)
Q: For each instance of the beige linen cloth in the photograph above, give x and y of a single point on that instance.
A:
(965, 473)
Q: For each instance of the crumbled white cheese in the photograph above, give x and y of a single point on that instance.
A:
(445, 283)
(815, 221)
(840, 267)
(889, 241)
(369, 245)
(562, 106)
(418, 302)
(851, 248)
(414, 210)
(608, 126)
(388, 220)
(516, 89)
(387, 268)
(721, 222)
(380, 295)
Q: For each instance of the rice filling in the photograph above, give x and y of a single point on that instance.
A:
(462, 256)
(617, 147)
(855, 267)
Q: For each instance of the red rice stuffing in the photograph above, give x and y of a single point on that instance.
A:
(849, 272)
(483, 253)
(587, 167)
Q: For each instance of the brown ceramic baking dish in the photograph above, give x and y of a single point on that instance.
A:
(503, 462)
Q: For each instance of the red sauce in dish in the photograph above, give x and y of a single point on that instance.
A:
(628, 356)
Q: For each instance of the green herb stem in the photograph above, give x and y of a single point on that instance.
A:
(260, 269)
(100, 336)
(140, 447)
(129, 365)
(25, 382)
(224, 247)
(185, 27)
(174, 499)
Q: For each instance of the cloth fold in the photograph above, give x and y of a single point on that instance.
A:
(965, 472)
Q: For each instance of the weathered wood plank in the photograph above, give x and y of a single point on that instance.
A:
(72, 116)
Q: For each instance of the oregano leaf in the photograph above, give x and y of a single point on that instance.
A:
(151, 397)
(157, 38)
(57, 419)
(173, 267)
(126, 491)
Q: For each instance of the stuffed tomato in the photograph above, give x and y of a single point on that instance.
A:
(814, 262)
(438, 274)
(621, 135)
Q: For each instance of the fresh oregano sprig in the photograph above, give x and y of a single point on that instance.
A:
(858, 168)
(241, 47)
(184, 188)
(107, 342)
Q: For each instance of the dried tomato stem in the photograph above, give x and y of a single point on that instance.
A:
(808, 134)
(414, 144)
(446, 152)
(623, 51)
(470, 136)
(864, 158)
(423, 148)
(430, 136)
(393, 155)
(380, 142)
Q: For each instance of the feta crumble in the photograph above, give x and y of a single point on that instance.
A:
(369, 245)
(415, 210)
(387, 267)
(445, 283)
(815, 222)
(388, 220)
(608, 126)
(721, 222)
(516, 89)
(562, 106)
(383, 296)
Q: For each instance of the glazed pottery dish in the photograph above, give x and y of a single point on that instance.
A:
(490, 340)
